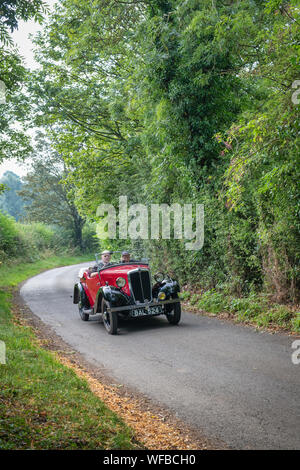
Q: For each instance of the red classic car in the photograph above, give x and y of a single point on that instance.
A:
(125, 290)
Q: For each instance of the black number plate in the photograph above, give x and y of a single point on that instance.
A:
(141, 312)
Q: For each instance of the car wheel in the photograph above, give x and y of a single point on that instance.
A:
(175, 315)
(110, 319)
(82, 300)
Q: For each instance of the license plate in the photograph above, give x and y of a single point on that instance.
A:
(140, 312)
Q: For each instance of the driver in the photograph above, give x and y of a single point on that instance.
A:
(105, 260)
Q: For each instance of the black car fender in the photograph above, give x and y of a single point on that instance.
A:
(113, 295)
(174, 288)
(170, 288)
(77, 292)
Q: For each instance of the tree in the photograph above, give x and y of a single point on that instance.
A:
(10, 201)
(14, 142)
(97, 134)
(11, 11)
(47, 197)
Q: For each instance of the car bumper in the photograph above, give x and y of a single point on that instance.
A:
(145, 306)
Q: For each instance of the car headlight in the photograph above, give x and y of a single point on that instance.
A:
(120, 281)
(159, 277)
(161, 296)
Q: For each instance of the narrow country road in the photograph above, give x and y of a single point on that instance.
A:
(229, 381)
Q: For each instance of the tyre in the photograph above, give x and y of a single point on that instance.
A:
(175, 315)
(110, 319)
(82, 302)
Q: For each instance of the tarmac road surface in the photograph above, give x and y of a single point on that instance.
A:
(229, 381)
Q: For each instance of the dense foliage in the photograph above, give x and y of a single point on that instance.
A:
(169, 101)
(20, 242)
(14, 102)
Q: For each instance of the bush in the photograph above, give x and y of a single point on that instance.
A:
(34, 241)
(254, 307)
(213, 301)
(9, 239)
(296, 322)
(36, 236)
(246, 307)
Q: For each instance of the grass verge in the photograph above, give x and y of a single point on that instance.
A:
(44, 404)
(254, 309)
(17, 271)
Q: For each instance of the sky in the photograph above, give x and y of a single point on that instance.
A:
(22, 40)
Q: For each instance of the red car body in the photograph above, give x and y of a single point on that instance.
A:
(125, 290)
(109, 275)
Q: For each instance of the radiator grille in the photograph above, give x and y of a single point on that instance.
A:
(140, 285)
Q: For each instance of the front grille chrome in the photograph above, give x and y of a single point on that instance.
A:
(140, 285)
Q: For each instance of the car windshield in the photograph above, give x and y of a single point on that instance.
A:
(119, 257)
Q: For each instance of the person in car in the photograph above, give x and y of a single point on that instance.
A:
(125, 258)
(105, 260)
